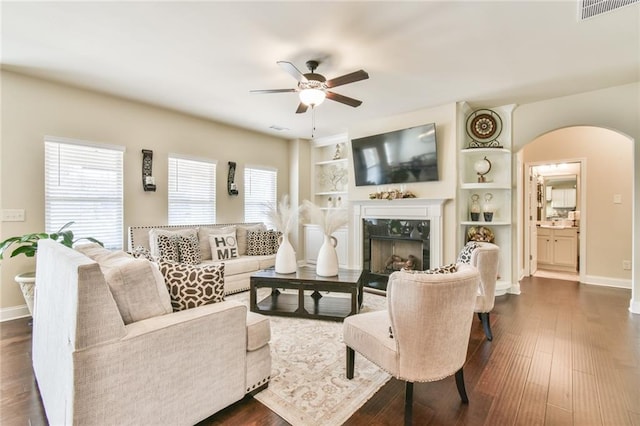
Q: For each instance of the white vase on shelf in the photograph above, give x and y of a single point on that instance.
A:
(285, 256)
(327, 262)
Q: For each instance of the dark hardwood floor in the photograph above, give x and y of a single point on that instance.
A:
(562, 354)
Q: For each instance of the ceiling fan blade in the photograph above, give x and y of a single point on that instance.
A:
(273, 91)
(301, 108)
(291, 69)
(347, 78)
(343, 99)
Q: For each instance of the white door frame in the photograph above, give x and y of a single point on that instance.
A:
(583, 212)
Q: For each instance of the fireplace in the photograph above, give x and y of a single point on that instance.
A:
(396, 234)
(390, 245)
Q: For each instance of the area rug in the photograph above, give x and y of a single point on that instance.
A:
(308, 385)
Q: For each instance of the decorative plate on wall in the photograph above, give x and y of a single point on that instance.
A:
(484, 126)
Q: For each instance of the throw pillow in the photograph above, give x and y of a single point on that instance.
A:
(223, 246)
(189, 248)
(242, 235)
(137, 287)
(168, 247)
(155, 233)
(467, 250)
(191, 286)
(203, 236)
(142, 252)
(446, 269)
(262, 243)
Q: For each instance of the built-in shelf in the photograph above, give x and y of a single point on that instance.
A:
(485, 185)
(332, 193)
(483, 223)
(499, 184)
(326, 162)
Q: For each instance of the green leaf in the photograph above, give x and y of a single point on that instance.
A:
(27, 250)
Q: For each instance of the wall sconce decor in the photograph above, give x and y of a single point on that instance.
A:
(148, 181)
(232, 188)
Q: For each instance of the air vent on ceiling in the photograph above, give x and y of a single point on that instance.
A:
(590, 8)
(278, 128)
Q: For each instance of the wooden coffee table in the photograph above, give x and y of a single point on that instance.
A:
(312, 296)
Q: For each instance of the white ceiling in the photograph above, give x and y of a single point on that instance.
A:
(204, 57)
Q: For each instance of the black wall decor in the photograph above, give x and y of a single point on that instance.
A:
(232, 188)
(148, 182)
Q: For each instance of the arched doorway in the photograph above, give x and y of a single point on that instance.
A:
(606, 220)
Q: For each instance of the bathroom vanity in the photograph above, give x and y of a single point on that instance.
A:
(558, 248)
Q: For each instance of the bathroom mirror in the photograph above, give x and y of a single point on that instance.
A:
(560, 196)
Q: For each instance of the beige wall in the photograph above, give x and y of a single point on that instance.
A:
(616, 108)
(445, 119)
(609, 167)
(33, 108)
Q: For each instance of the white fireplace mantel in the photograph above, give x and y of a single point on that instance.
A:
(403, 209)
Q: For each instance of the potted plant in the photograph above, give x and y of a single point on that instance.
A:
(27, 244)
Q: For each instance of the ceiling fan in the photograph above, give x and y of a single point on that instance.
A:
(313, 88)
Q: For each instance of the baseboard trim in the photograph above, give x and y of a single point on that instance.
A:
(14, 312)
(634, 307)
(606, 281)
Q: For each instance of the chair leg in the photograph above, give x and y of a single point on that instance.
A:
(484, 317)
(460, 384)
(408, 404)
(351, 357)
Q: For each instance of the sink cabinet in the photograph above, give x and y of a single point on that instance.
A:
(558, 249)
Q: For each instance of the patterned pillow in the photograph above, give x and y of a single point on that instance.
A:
(168, 248)
(223, 246)
(262, 243)
(274, 237)
(465, 253)
(189, 249)
(142, 252)
(191, 286)
(154, 233)
(241, 235)
(446, 269)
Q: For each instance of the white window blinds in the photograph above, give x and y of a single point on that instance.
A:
(83, 184)
(192, 191)
(260, 189)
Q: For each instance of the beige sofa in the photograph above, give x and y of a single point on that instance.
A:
(176, 368)
(237, 270)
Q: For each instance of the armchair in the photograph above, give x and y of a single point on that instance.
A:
(424, 333)
(485, 257)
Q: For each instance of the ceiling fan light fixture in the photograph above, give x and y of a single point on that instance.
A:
(312, 97)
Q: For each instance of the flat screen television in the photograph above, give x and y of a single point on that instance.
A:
(401, 156)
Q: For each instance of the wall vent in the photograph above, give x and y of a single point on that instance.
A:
(590, 8)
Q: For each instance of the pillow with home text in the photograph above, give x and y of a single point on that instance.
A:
(223, 246)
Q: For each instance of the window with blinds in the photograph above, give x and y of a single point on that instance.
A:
(192, 191)
(84, 184)
(260, 189)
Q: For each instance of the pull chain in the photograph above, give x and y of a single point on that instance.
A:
(313, 121)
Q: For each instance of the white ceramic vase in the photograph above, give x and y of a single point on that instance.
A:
(327, 265)
(285, 256)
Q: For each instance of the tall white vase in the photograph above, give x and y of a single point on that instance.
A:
(327, 265)
(285, 256)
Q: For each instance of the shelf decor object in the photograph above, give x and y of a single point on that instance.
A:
(334, 176)
(488, 208)
(484, 126)
(482, 167)
(392, 194)
(475, 207)
(148, 181)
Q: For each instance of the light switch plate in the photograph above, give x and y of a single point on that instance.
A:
(617, 199)
(13, 215)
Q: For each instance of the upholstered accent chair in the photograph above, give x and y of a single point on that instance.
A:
(485, 257)
(424, 333)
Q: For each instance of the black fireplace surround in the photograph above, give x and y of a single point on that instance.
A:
(389, 245)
